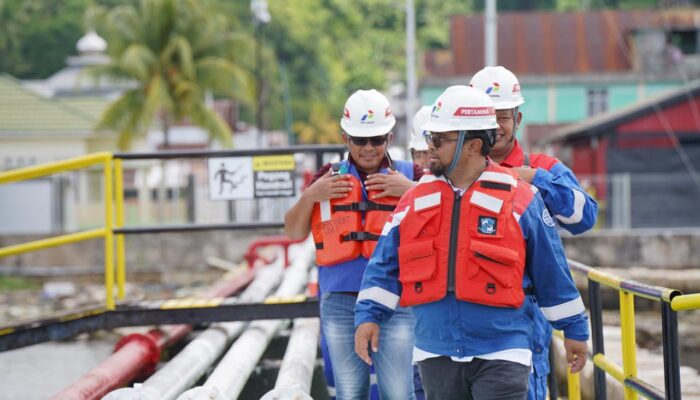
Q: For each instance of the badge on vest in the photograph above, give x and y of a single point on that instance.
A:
(487, 225)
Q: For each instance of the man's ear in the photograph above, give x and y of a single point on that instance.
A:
(389, 137)
(520, 118)
(474, 146)
(345, 137)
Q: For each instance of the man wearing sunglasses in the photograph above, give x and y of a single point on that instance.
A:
(570, 205)
(345, 208)
(470, 249)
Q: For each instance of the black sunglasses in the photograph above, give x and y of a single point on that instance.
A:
(436, 139)
(374, 140)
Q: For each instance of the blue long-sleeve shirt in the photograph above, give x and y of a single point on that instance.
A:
(575, 210)
(457, 328)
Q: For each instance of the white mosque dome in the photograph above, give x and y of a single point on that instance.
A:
(91, 43)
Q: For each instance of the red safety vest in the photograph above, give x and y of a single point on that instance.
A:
(339, 231)
(473, 242)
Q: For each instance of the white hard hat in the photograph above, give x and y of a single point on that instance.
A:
(367, 113)
(417, 139)
(461, 108)
(501, 85)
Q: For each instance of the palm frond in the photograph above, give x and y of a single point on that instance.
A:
(117, 113)
(213, 123)
(178, 50)
(138, 60)
(155, 93)
(225, 77)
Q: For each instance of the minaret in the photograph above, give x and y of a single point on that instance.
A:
(91, 51)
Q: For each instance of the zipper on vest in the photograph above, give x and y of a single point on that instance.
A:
(454, 233)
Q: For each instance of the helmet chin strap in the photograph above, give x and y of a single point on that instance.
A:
(515, 124)
(458, 152)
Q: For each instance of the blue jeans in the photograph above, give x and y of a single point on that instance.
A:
(392, 362)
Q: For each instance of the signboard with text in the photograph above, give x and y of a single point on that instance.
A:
(234, 178)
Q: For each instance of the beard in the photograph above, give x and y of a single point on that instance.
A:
(437, 169)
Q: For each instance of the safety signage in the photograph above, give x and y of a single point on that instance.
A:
(234, 178)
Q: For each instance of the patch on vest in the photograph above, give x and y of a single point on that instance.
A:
(487, 225)
(547, 218)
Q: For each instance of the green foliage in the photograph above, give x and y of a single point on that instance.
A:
(176, 51)
(9, 283)
(36, 36)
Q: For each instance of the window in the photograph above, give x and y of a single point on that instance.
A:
(597, 101)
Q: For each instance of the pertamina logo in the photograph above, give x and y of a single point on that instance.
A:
(516, 87)
(547, 218)
(368, 118)
(437, 107)
(493, 89)
(346, 113)
(487, 225)
(474, 111)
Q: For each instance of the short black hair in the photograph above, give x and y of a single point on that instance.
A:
(488, 139)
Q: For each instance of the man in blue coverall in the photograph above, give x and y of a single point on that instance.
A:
(563, 196)
(468, 248)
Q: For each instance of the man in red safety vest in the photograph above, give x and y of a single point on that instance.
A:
(470, 248)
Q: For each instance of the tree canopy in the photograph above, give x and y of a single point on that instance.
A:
(175, 51)
(314, 52)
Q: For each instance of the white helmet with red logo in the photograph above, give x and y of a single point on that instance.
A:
(418, 138)
(501, 85)
(461, 108)
(367, 113)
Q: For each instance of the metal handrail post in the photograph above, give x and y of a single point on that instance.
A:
(629, 341)
(119, 223)
(672, 375)
(109, 232)
(596, 310)
(573, 384)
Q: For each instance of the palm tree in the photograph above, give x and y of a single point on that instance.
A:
(175, 53)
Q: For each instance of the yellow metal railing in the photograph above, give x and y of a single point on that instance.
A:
(671, 300)
(106, 232)
(119, 204)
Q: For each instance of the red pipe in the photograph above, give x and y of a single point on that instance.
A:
(251, 255)
(136, 355)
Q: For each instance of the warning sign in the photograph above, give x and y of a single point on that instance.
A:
(231, 178)
(274, 176)
(234, 178)
(274, 163)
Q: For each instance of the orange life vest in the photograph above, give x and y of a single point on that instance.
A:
(339, 230)
(468, 244)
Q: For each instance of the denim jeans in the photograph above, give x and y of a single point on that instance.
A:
(392, 362)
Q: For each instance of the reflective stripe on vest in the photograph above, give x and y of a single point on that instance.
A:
(489, 260)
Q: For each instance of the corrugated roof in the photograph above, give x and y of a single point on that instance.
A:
(92, 106)
(22, 110)
(603, 122)
(535, 43)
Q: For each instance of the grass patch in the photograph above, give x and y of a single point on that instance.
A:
(14, 283)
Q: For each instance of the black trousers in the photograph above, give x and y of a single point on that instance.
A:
(444, 379)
